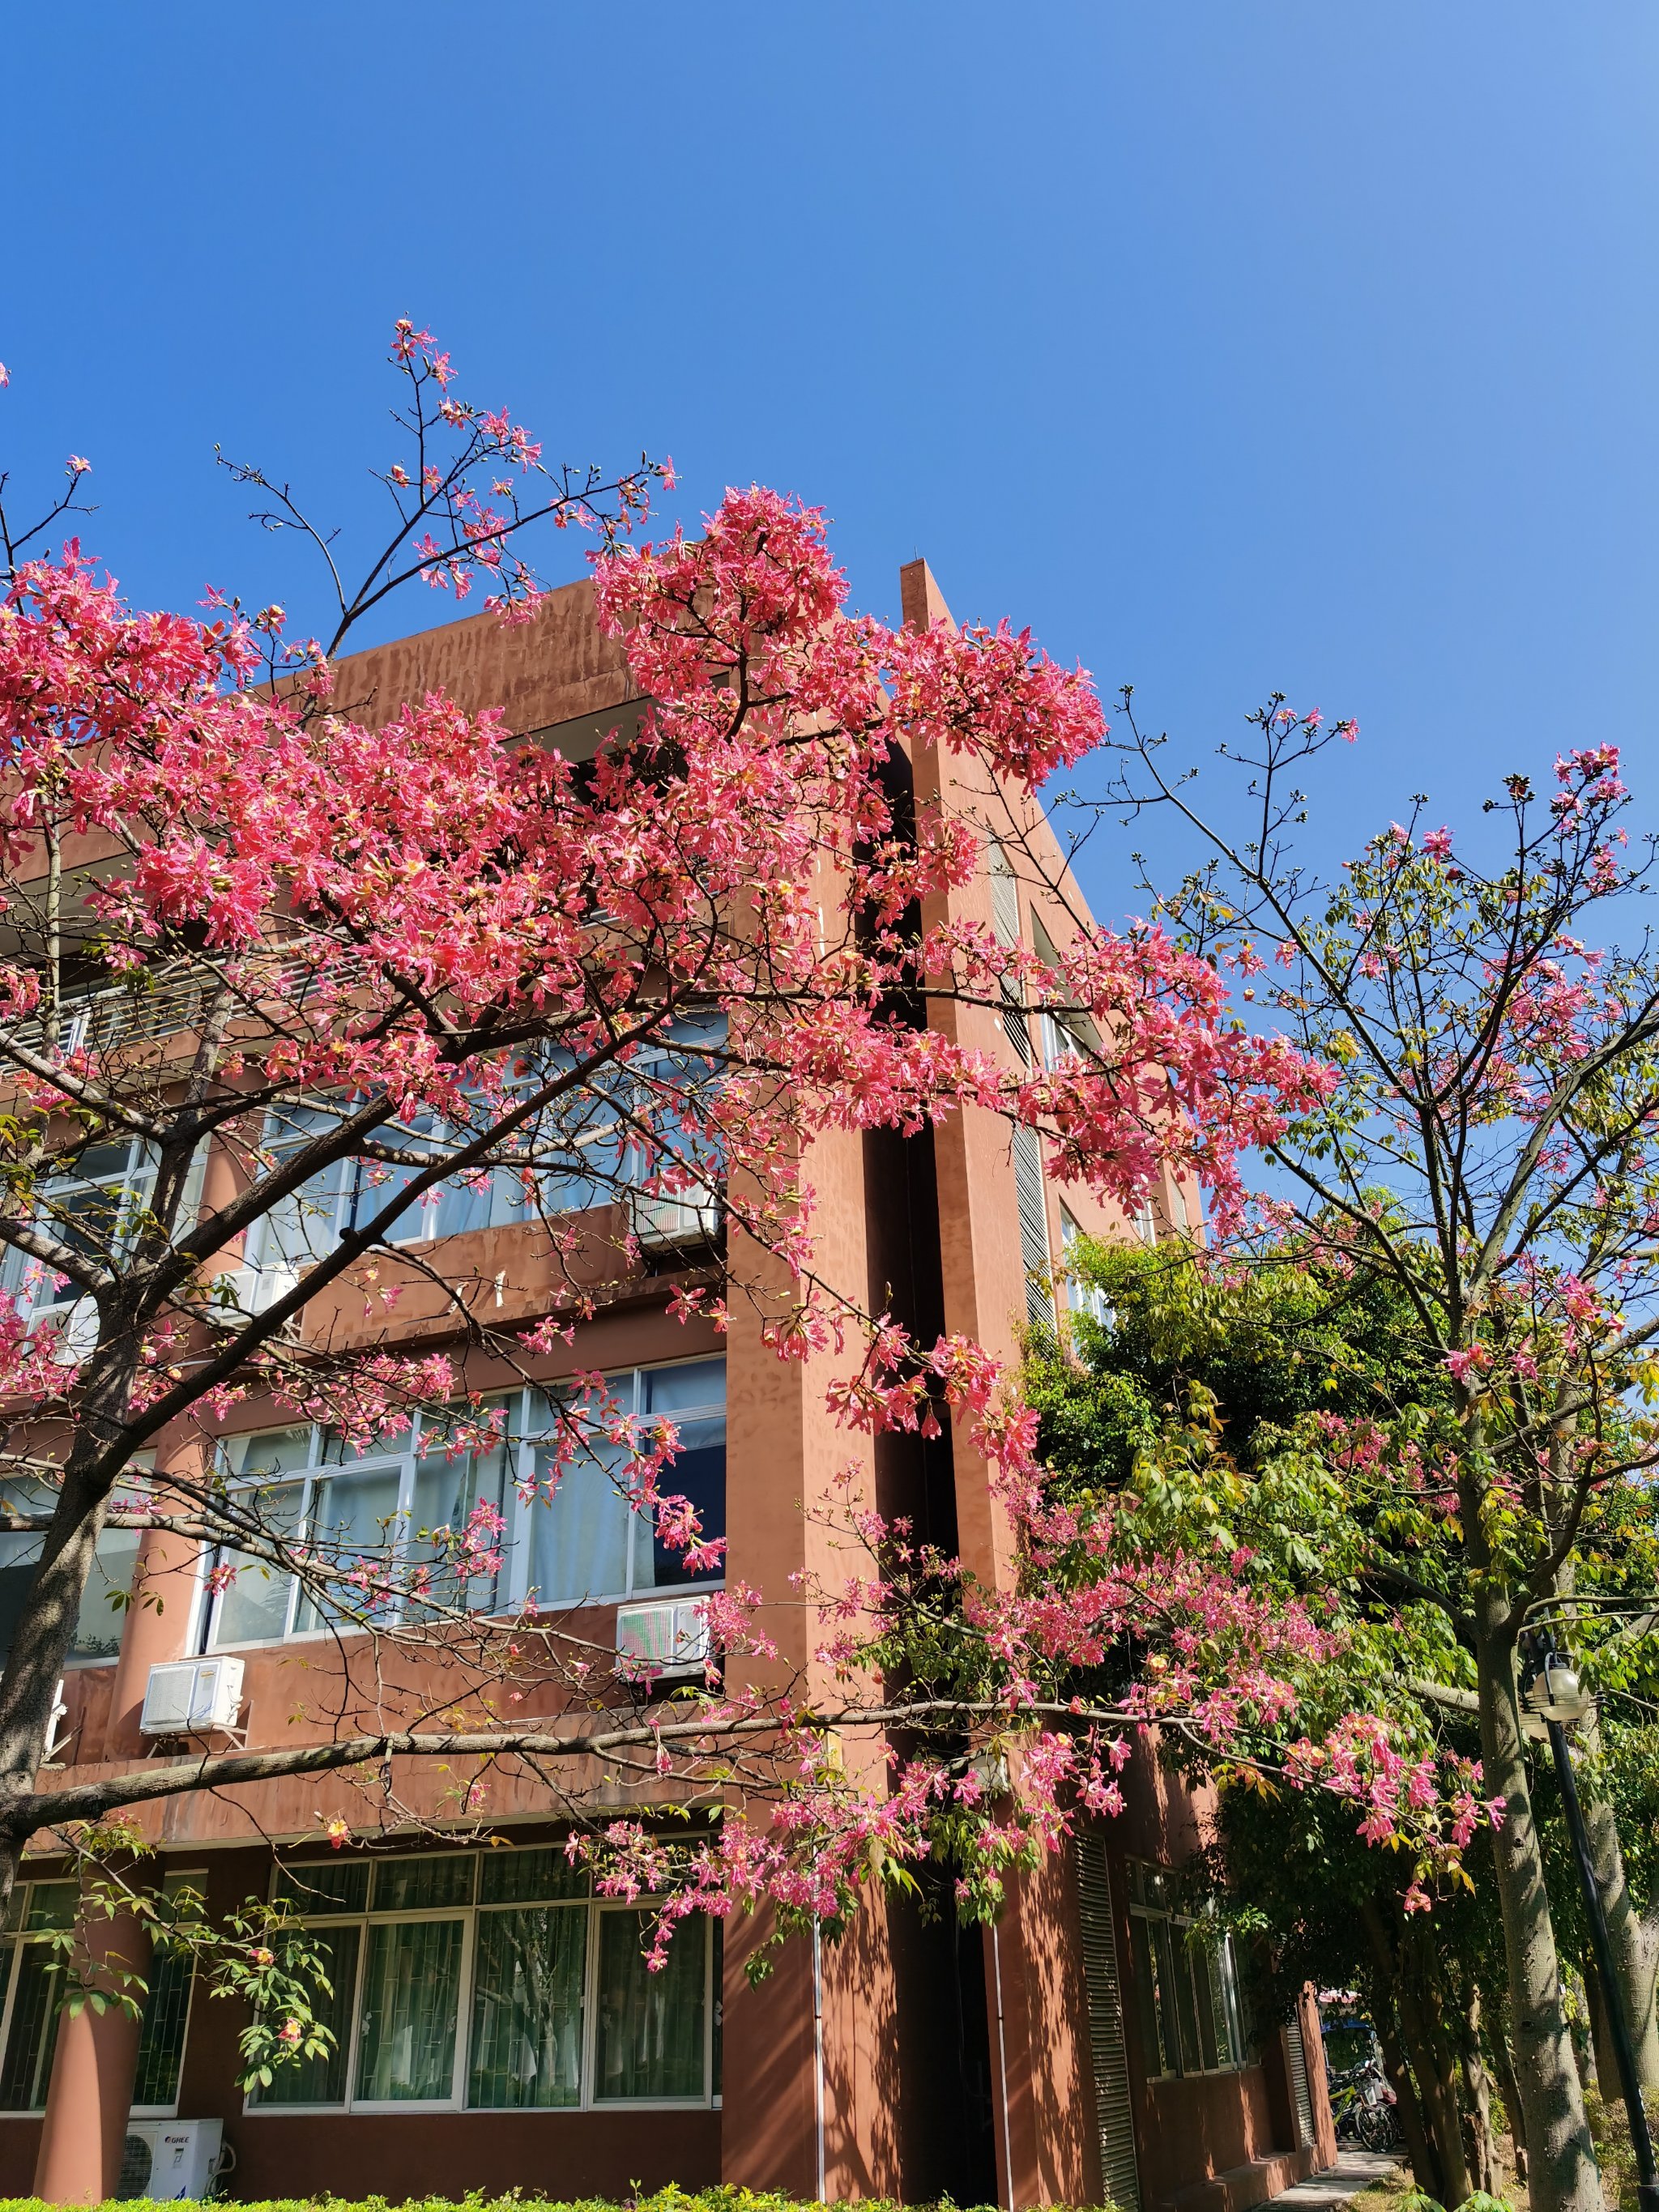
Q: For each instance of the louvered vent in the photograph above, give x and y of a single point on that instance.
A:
(1115, 2116)
(1005, 921)
(1033, 1227)
(1297, 2058)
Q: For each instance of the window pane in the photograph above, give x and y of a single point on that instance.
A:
(33, 2034)
(1148, 2010)
(100, 1621)
(524, 1877)
(1174, 2002)
(527, 2007)
(697, 1471)
(1228, 1986)
(162, 2039)
(322, 2079)
(353, 1518)
(421, 1884)
(1200, 1958)
(51, 1905)
(299, 1230)
(259, 1456)
(446, 1490)
(699, 1382)
(254, 1608)
(650, 2039)
(335, 1886)
(578, 1537)
(335, 1452)
(411, 1984)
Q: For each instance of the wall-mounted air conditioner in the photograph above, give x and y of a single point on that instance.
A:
(662, 1639)
(165, 2159)
(185, 1697)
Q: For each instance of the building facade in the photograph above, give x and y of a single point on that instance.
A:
(496, 2027)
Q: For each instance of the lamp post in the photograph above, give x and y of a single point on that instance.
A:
(1555, 1693)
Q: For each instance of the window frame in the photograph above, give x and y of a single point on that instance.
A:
(594, 1908)
(689, 1035)
(1081, 1297)
(513, 1586)
(141, 1468)
(36, 1299)
(1168, 1944)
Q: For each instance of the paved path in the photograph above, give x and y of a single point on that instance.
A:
(1354, 2170)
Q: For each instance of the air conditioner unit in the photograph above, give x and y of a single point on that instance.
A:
(184, 1697)
(165, 2159)
(658, 1640)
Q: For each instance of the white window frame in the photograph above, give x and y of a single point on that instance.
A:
(512, 1591)
(141, 1470)
(592, 1909)
(270, 1279)
(1179, 1926)
(36, 1295)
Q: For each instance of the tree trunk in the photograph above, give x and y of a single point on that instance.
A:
(1561, 2169)
(1477, 2094)
(1634, 1936)
(1425, 2167)
(1503, 2062)
(1426, 2052)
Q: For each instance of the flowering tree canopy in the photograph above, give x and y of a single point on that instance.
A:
(290, 989)
(1483, 1161)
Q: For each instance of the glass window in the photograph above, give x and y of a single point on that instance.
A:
(93, 1205)
(31, 2033)
(354, 1523)
(102, 1615)
(449, 1485)
(322, 2079)
(411, 1990)
(527, 2008)
(585, 1541)
(378, 1516)
(649, 2029)
(411, 1956)
(1179, 1960)
(524, 1877)
(1082, 1296)
(162, 2039)
(334, 1885)
(404, 1505)
(419, 1885)
(1185, 2001)
(32, 1990)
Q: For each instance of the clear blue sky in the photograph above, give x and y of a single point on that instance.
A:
(1235, 344)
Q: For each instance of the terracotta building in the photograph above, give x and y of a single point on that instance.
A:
(1082, 2051)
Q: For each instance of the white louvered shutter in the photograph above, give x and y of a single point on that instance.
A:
(1119, 2175)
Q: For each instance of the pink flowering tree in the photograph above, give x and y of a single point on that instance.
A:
(1485, 1161)
(289, 988)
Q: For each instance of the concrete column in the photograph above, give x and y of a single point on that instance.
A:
(157, 1624)
(92, 2069)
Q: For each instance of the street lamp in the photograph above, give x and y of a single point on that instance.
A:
(1555, 1693)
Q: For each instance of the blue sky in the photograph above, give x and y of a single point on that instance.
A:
(1235, 344)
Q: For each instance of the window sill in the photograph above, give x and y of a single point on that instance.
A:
(453, 2111)
(540, 1615)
